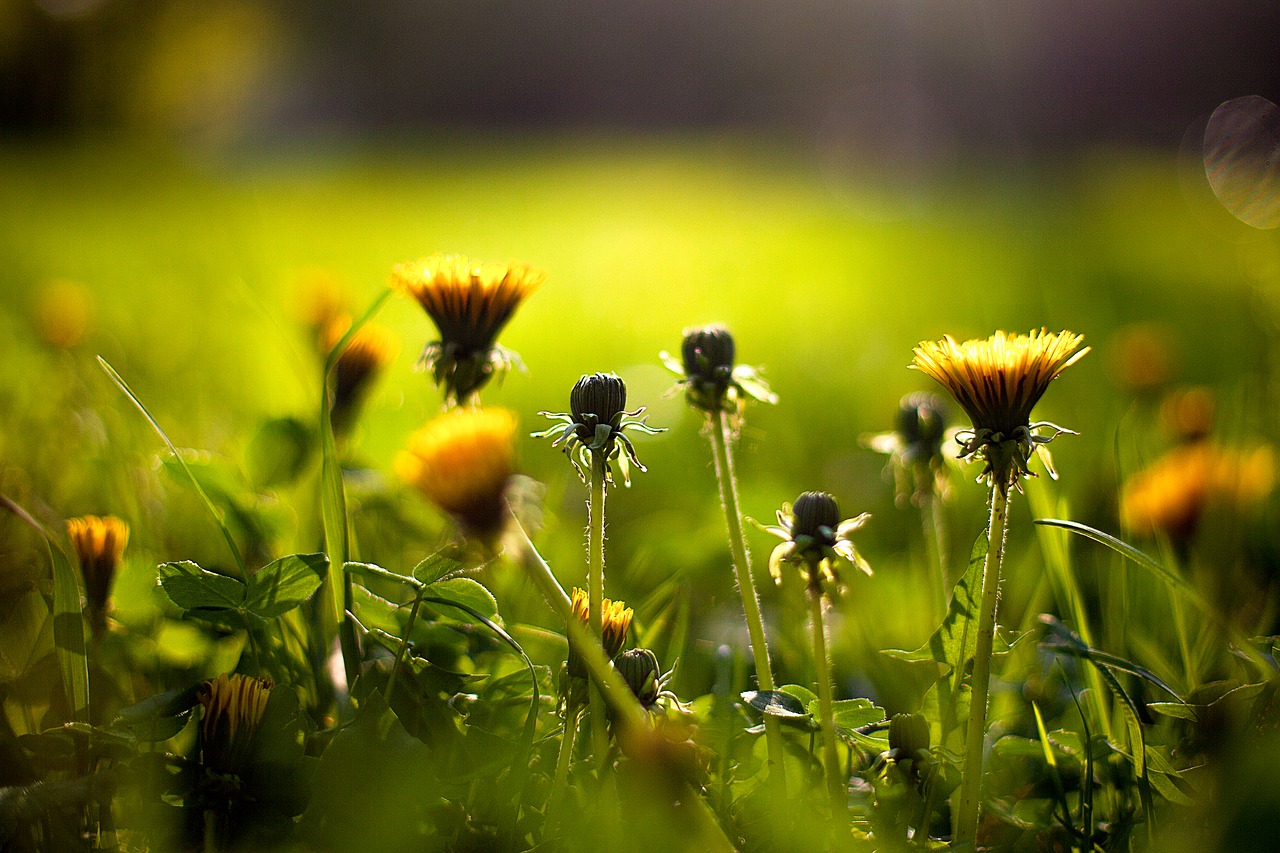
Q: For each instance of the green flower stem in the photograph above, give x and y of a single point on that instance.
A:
(970, 797)
(836, 790)
(404, 648)
(935, 543)
(728, 482)
(595, 593)
(561, 780)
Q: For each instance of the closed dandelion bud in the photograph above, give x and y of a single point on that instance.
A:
(639, 668)
(599, 398)
(708, 353)
(813, 511)
(233, 709)
(369, 350)
(921, 425)
(908, 734)
(99, 544)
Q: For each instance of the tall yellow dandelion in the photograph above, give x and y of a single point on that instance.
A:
(233, 709)
(99, 543)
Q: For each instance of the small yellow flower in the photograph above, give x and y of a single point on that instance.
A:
(99, 542)
(1170, 496)
(462, 462)
(233, 709)
(615, 621)
(470, 303)
(998, 381)
(369, 350)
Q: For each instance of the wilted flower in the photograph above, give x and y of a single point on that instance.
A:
(470, 303)
(814, 536)
(711, 381)
(998, 381)
(1171, 495)
(99, 543)
(595, 426)
(368, 351)
(233, 709)
(462, 462)
(915, 447)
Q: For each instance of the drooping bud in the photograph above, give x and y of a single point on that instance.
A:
(598, 398)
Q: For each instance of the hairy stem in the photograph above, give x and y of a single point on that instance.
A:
(728, 482)
(970, 797)
(836, 789)
(595, 594)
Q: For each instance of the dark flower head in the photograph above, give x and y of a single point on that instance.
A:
(909, 744)
(233, 709)
(708, 375)
(914, 448)
(595, 427)
(470, 304)
(600, 398)
(369, 350)
(998, 381)
(814, 537)
(640, 669)
(921, 423)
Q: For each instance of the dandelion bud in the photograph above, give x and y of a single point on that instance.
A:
(908, 738)
(640, 669)
(921, 425)
(233, 709)
(99, 543)
(815, 510)
(708, 353)
(369, 350)
(598, 399)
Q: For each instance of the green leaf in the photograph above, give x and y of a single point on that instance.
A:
(465, 592)
(1181, 711)
(952, 645)
(279, 452)
(435, 567)
(191, 587)
(775, 703)
(1072, 644)
(68, 618)
(282, 585)
(375, 571)
(806, 696)
(851, 714)
(25, 635)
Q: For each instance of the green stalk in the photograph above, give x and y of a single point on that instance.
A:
(970, 797)
(935, 545)
(595, 594)
(561, 780)
(822, 665)
(727, 479)
(404, 648)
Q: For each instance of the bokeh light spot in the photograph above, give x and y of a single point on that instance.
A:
(1242, 159)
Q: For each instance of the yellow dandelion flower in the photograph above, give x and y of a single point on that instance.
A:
(998, 381)
(233, 709)
(462, 462)
(369, 350)
(470, 304)
(615, 622)
(63, 313)
(99, 543)
(1170, 496)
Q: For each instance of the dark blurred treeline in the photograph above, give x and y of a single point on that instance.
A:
(977, 72)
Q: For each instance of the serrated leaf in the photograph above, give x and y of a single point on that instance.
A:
(435, 567)
(466, 592)
(191, 587)
(283, 584)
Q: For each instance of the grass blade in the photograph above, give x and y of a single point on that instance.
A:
(195, 483)
(68, 618)
(1126, 550)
